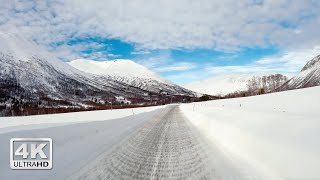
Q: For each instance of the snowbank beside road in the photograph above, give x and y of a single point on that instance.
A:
(277, 131)
(9, 124)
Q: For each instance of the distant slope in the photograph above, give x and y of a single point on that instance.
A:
(308, 77)
(223, 84)
(131, 73)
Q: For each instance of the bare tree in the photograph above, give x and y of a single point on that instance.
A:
(265, 84)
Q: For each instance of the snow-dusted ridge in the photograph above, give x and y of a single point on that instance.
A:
(128, 72)
(23, 50)
(119, 67)
(308, 77)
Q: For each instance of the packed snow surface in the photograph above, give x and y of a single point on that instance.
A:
(74, 145)
(160, 144)
(168, 147)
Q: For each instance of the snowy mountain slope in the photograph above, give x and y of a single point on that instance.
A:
(308, 77)
(32, 78)
(223, 84)
(120, 67)
(30, 73)
(32, 69)
(129, 72)
(22, 50)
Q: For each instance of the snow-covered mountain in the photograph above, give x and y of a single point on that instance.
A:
(30, 73)
(128, 72)
(124, 68)
(34, 71)
(309, 76)
(224, 84)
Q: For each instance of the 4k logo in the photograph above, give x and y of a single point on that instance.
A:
(31, 153)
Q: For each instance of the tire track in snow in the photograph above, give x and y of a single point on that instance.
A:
(166, 147)
(163, 148)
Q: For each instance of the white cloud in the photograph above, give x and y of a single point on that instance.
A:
(294, 59)
(290, 62)
(141, 52)
(180, 66)
(221, 25)
(252, 68)
(155, 60)
(99, 51)
(185, 77)
(163, 62)
(227, 25)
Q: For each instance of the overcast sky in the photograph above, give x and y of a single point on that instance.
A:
(183, 40)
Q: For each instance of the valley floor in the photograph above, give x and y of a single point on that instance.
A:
(272, 136)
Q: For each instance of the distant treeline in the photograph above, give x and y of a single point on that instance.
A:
(260, 85)
(17, 106)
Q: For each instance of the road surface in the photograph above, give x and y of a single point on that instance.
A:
(165, 147)
(162, 148)
(156, 145)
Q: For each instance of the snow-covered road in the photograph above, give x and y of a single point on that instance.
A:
(163, 148)
(167, 147)
(161, 144)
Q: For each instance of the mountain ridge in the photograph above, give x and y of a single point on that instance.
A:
(128, 72)
(309, 76)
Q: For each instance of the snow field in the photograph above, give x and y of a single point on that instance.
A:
(276, 132)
